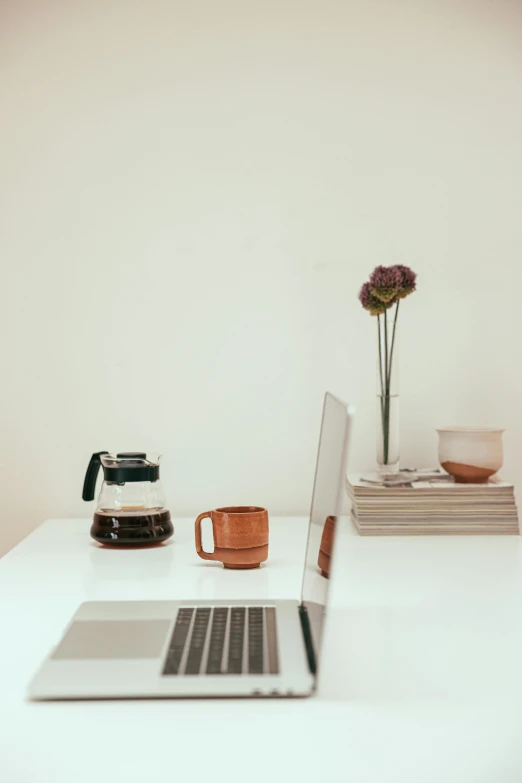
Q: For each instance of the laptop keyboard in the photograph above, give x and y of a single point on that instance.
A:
(223, 640)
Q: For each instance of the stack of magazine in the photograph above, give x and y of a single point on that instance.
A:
(421, 502)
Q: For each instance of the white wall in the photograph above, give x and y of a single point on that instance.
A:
(192, 194)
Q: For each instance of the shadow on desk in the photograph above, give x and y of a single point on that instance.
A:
(430, 654)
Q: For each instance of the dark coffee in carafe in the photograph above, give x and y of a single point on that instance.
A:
(145, 526)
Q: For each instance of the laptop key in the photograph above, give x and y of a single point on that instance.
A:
(217, 640)
(236, 640)
(255, 640)
(271, 630)
(178, 641)
(197, 641)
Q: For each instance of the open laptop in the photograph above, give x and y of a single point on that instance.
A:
(154, 649)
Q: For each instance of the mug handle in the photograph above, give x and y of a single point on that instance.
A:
(199, 546)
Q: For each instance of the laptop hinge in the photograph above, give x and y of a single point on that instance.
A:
(305, 625)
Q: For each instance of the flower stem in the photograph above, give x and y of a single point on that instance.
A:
(381, 373)
(393, 343)
(386, 399)
(386, 413)
(380, 352)
(385, 354)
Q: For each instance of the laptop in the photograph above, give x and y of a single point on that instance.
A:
(169, 649)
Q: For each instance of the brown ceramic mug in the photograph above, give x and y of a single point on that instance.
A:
(240, 536)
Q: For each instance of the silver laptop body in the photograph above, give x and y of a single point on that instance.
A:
(154, 649)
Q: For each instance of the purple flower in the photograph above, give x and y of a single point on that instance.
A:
(408, 281)
(385, 282)
(370, 302)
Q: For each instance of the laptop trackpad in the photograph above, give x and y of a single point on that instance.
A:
(113, 639)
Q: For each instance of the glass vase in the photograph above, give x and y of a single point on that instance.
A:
(388, 391)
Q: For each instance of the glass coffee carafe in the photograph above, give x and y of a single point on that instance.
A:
(131, 506)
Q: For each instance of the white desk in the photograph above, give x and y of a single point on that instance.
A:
(421, 672)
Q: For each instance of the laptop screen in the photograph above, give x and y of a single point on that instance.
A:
(327, 504)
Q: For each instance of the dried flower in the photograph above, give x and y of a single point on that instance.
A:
(407, 284)
(370, 302)
(385, 282)
(386, 287)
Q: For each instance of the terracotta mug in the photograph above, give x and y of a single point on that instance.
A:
(325, 547)
(240, 536)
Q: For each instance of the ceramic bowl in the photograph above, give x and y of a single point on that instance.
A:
(471, 454)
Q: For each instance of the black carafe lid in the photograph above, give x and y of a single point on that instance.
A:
(124, 467)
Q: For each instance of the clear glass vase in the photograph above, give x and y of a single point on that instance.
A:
(388, 391)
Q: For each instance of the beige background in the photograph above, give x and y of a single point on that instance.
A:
(192, 194)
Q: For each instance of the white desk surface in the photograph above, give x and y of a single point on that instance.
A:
(421, 672)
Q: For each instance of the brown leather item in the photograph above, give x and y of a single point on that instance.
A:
(240, 536)
(325, 547)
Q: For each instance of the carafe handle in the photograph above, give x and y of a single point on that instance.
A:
(89, 485)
